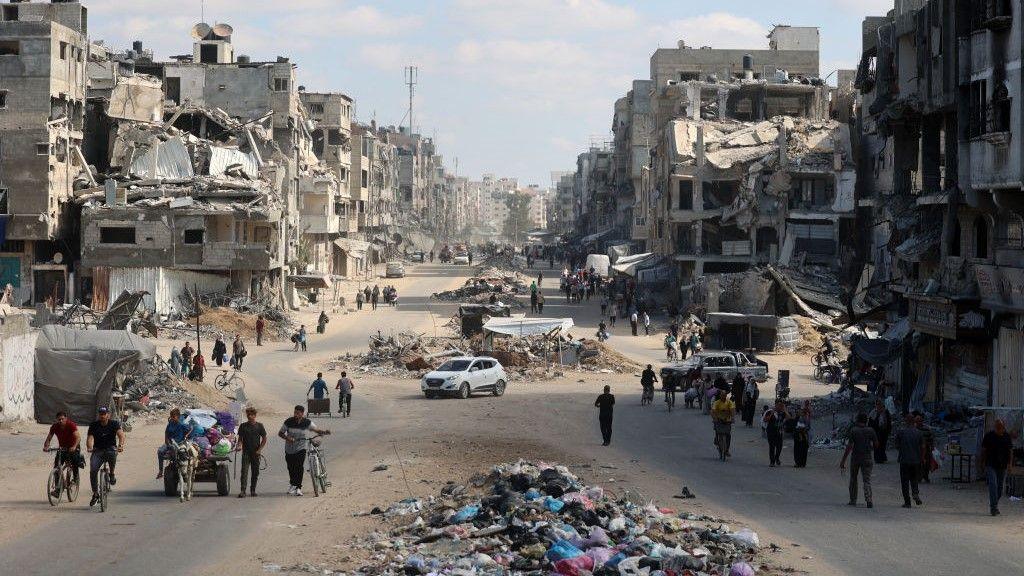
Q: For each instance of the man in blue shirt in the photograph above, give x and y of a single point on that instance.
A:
(318, 387)
(175, 431)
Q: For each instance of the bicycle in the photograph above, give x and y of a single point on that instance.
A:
(722, 432)
(317, 468)
(62, 479)
(647, 396)
(670, 398)
(103, 484)
(232, 382)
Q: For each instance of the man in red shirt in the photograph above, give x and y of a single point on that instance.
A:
(68, 438)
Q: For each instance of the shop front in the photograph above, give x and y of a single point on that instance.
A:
(954, 365)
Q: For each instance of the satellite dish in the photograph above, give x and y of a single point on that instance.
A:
(201, 30)
(58, 258)
(223, 30)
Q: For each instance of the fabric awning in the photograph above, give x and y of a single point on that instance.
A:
(309, 281)
(527, 326)
(885, 349)
(354, 248)
(629, 264)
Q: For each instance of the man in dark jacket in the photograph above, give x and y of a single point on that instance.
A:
(219, 350)
(606, 403)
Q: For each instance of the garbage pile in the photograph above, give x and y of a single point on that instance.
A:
(541, 518)
(478, 289)
(504, 259)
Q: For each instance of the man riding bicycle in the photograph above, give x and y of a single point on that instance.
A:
(69, 441)
(105, 440)
(669, 386)
(722, 414)
(647, 380)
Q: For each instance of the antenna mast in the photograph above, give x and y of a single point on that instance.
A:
(411, 79)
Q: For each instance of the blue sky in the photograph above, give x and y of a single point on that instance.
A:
(514, 87)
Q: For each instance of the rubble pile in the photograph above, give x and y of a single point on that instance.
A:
(599, 357)
(504, 260)
(405, 354)
(541, 518)
(153, 390)
(488, 280)
(223, 313)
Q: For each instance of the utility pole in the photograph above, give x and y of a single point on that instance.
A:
(412, 74)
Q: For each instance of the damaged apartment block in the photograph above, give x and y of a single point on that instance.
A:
(43, 51)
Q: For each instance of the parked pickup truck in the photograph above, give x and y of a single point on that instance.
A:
(713, 363)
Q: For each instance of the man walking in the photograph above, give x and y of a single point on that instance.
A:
(295, 432)
(374, 297)
(344, 388)
(359, 299)
(606, 405)
(647, 323)
(880, 420)
(910, 444)
(219, 350)
(238, 352)
(252, 437)
(997, 458)
(261, 325)
(772, 421)
(633, 322)
(186, 359)
(861, 445)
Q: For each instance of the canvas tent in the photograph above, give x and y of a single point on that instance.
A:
(75, 370)
(527, 326)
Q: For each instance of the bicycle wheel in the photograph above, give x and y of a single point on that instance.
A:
(220, 382)
(104, 487)
(323, 475)
(53, 487)
(71, 485)
(314, 473)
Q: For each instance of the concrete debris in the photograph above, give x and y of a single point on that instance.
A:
(502, 283)
(542, 518)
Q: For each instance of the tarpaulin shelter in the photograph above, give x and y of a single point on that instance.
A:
(883, 350)
(628, 265)
(471, 316)
(527, 326)
(75, 370)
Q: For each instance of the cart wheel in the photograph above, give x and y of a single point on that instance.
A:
(170, 482)
(223, 480)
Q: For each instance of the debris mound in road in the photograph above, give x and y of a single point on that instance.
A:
(541, 518)
(599, 356)
(504, 284)
(405, 354)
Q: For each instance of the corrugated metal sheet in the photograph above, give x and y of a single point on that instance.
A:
(1010, 380)
(221, 158)
(100, 288)
(164, 285)
(167, 160)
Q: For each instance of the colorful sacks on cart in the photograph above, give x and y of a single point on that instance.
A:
(203, 443)
(226, 421)
(213, 435)
(222, 448)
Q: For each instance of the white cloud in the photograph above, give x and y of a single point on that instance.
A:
(864, 7)
(532, 18)
(718, 30)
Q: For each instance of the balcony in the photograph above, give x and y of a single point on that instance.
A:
(320, 223)
(234, 256)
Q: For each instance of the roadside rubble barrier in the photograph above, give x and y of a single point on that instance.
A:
(541, 518)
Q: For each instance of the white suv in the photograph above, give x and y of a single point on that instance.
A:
(465, 375)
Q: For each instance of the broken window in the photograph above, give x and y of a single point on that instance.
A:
(335, 137)
(811, 193)
(10, 47)
(719, 193)
(63, 50)
(172, 87)
(195, 236)
(3, 98)
(364, 181)
(687, 76)
(10, 13)
(43, 149)
(316, 108)
(117, 235)
(980, 237)
(978, 105)
(208, 53)
(280, 84)
(686, 194)
(998, 112)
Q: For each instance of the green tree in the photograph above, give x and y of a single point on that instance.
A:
(518, 221)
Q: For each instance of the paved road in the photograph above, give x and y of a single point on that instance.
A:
(652, 449)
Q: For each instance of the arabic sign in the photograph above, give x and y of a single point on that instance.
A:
(1000, 286)
(948, 319)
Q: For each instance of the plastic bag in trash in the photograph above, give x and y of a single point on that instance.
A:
(575, 566)
(616, 524)
(562, 550)
(222, 448)
(465, 514)
(741, 569)
(745, 537)
(601, 555)
(631, 567)
(553, 504)
(597, 537)
(678, 561)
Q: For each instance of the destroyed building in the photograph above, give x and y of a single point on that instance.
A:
(940, 178)
(43, 50)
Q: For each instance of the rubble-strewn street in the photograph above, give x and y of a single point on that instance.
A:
(267, 307)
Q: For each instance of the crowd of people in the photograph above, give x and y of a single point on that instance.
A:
(373, 296)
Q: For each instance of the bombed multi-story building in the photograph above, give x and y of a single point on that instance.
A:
(43, 55)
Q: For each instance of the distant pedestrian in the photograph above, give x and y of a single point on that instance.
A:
(997, 458)
(860, 444)
(374, 297)
(175, 362)
(321, 322)
(633, 320)
(930, 465)
(880, 420)
(540, 279)
(300, 338)
(750, 395)
(220, 349)
(252, 438)
(613, 314)
(295, 432)
(738, 385)
(540, 303)
(647, 323)
(261, 324)
(344, 388)
(802, 436)
(695, 345)
(186, 359)
(359, 299)
(606, 403)
(198, 368)
(366, 294)
(684, 347)
(674, 329)
(238, 352)
(910, 444)
(773, 421)
(604, 305)
(469, 257)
